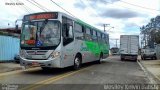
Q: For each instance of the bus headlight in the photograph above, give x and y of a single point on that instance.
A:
(55, 54)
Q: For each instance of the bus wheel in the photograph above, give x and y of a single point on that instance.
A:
(77, 63)
(45, 68)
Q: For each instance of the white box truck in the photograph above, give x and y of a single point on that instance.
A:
(129, 46)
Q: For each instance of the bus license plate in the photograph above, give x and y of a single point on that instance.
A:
(35, 64)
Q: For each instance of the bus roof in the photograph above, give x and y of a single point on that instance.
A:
(73, 18)
(86, 24)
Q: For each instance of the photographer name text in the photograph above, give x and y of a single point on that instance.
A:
(13, 4)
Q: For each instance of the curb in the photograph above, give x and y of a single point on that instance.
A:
(12, 69)
(9, 69)
(7, 61)
(152, 78)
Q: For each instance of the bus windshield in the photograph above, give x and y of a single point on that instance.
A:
(40, 33)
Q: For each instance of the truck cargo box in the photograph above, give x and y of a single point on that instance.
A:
(129, 46)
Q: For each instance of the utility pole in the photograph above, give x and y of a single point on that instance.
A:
(116, 41)
(16, 25)
(105, 26)
(8, 25)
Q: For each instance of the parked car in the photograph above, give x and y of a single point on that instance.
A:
(148, 53)
(17, 58)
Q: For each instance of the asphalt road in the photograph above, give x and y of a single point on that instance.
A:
(90, 77)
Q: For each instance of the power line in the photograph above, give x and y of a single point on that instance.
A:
(131, 8)
(41, 5)
(37, 5)
(29, 8)
(25, 7)
(97, 15)
(91, 7)
(62, 8)
(135, 9)
(116, 41)
(139, 6)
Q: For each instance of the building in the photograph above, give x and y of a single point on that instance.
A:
(9, 43)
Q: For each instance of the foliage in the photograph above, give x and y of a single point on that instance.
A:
(157, 37)
(151, 31)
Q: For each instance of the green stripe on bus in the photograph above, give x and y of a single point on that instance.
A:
(97, 48)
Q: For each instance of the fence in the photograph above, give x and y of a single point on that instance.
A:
(9, 47)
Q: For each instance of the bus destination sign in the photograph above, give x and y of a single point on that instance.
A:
(41, 16)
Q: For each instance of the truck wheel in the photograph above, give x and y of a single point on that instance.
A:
(135, 59)
(77, 63)
(122, 58)
(144, 58)
(155, 58)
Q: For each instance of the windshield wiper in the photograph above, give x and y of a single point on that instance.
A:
(29, 25)
(43, 25)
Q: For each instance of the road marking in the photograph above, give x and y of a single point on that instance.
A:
(16, 72)
(53, 79)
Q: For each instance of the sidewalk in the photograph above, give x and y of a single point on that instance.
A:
(11, 66)
(153, 68)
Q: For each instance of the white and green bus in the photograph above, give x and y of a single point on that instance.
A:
(55, 39)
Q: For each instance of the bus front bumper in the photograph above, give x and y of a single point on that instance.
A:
(55, 62)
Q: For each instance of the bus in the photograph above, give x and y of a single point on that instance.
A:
(57, 40)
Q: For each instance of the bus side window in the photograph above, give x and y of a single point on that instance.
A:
(70, 31)
(64, 30)
(79, 29)
(103, 38)
(67, 31)
(94, 36)
(88, 34)
(106, 39)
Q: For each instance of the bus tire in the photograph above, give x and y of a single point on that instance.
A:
(77, 62)
(45, 68)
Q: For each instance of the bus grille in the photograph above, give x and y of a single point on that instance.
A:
(36, 52)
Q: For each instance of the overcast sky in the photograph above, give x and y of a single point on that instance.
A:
(126, 16)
